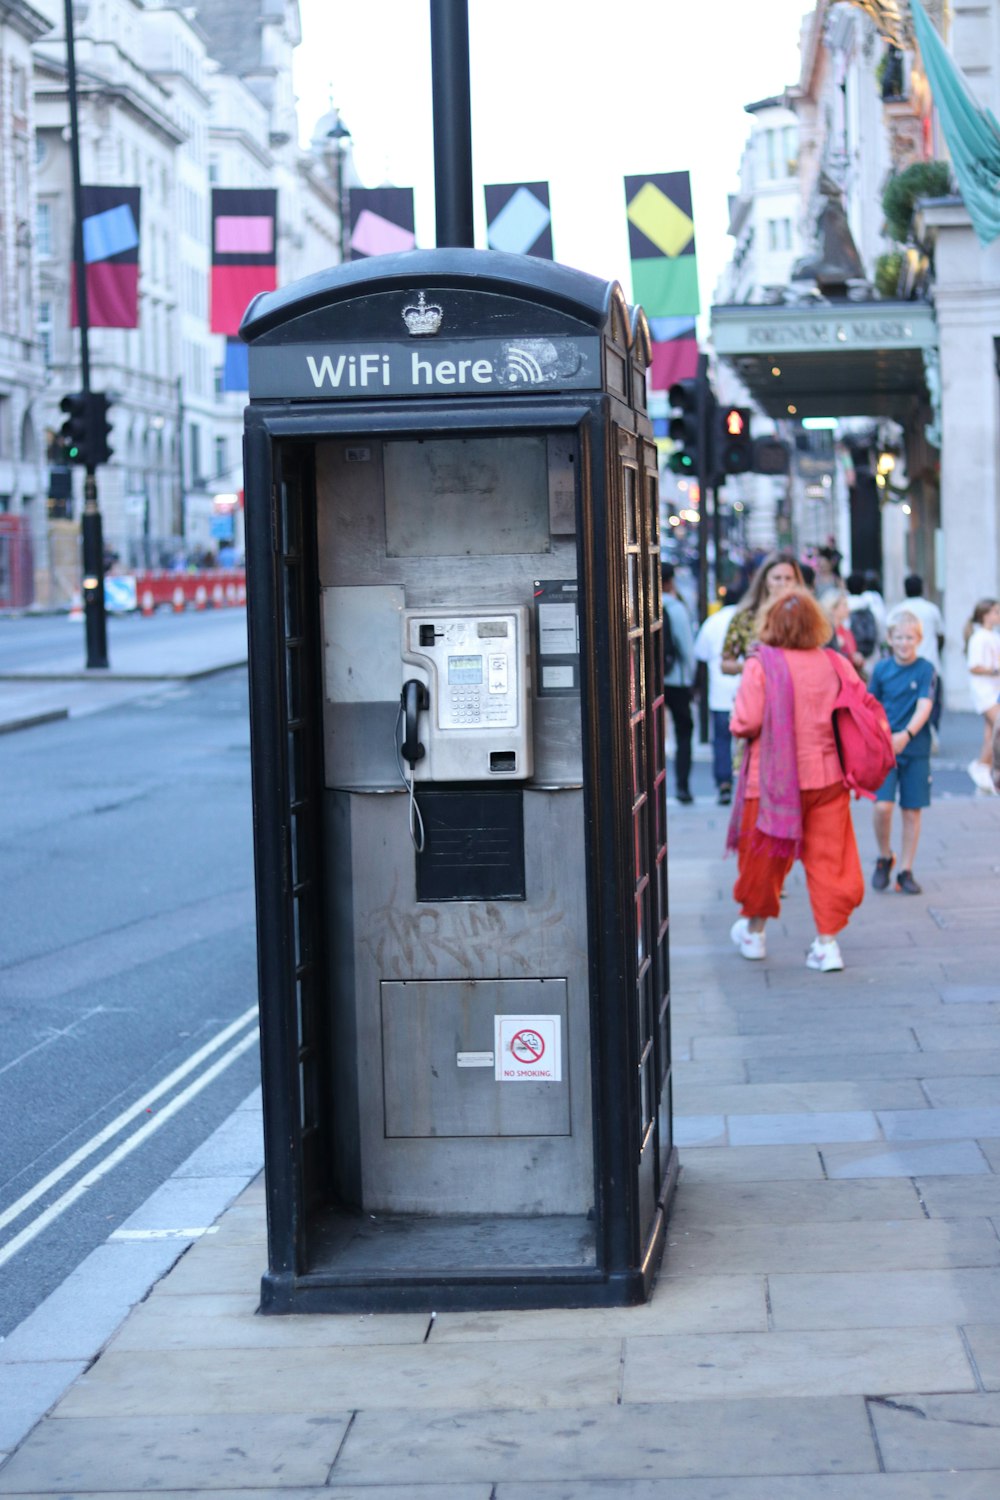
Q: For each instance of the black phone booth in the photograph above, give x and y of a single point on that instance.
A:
(459, 785)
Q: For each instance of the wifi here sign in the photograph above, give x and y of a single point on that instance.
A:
(423, 367)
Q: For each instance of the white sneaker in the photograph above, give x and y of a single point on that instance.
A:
(980, 774)
(750, 944)
(824, 956)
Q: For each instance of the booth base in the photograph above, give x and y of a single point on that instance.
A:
(375, 1263)
(463, 1243)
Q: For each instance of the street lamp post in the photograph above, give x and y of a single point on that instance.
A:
(338, 135)
(95, 619)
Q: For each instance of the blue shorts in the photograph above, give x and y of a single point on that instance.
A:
(912, 776)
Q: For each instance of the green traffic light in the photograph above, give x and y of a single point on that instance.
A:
(681, 463)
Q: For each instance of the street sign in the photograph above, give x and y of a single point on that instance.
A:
(526, 1048)
(770, 456)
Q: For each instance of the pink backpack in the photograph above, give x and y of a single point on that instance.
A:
(864, 739)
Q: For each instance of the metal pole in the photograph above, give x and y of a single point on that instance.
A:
(180, 519)
(339, 189)
(452, 122)
(95, 621)
(704, 474)
(705, 469)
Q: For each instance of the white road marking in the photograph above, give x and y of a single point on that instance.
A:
(141, 1105)
(163, 1234)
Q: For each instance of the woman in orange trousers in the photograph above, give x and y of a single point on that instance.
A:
(791, 801)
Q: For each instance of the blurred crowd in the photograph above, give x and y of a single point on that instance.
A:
(778, 663)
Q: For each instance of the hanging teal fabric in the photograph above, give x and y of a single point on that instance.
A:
(971, 131)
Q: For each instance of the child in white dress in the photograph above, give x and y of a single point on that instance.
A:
(982, 655)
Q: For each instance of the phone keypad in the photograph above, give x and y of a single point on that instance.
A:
(465, 705)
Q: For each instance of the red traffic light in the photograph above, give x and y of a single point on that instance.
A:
(735, 446)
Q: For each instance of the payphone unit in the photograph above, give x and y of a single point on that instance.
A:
(473, 681)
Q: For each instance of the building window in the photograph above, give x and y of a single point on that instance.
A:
(221, 457)
(194, 449)
(791, 150)
(43, 230)
(45, 330)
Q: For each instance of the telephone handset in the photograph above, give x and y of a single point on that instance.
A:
(414, 698)
(473, 682)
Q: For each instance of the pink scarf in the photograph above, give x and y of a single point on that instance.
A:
(778, 830)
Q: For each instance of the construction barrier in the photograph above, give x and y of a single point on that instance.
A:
(218, 587)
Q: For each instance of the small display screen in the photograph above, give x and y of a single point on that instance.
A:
(465, 669)
(489, 630)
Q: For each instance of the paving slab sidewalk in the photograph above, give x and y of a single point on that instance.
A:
(826, 1325)
(60, 685)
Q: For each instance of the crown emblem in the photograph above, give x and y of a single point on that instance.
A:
(422, 317)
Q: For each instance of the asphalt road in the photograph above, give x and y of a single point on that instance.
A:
(127, 959)
(31, 640)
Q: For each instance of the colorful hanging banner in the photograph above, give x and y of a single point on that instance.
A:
(236, 366)
(665, 270)
(381, 221)
(244, 252)
(518, 218)
(110, 257)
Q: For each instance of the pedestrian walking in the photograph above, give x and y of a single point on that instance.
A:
(903, 683)
(932, 639)
(837, 608)
(876, 602)
(678, 676)
(774, 575)
(722, 690)
(864, 621)
(982, 656)
(791, 801)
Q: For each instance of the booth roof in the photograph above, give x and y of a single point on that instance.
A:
(528, 277)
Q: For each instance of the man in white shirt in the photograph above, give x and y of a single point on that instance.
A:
(722, 690)
(932, 625)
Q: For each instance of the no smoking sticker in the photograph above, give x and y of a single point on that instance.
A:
(527, 1047)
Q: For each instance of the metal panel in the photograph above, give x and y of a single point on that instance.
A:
(428, 1030)
(361, 644)
(396, 939)
(466, 496)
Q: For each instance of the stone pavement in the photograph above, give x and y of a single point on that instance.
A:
(194, 645)
(826, 1325)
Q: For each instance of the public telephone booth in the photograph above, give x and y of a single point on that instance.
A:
(459, 787)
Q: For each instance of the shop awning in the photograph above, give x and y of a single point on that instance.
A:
(832, 360)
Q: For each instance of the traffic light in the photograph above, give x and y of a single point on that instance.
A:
(98, 429)
(735, 442)
(87, 428)
(683, 429)
(73, 431)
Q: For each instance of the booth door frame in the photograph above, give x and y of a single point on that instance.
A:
(285, 633)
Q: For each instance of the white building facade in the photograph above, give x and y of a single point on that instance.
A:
(23, 463)
(176, 100)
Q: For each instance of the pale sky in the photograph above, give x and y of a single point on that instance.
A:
(563, 91)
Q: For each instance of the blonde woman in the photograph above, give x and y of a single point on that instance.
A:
(776, 573)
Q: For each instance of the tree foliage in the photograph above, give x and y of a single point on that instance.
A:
(923, 179)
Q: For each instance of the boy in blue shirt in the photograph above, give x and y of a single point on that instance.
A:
(904, 685)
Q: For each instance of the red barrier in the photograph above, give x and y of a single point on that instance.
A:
(217, 586)
(17, 573)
